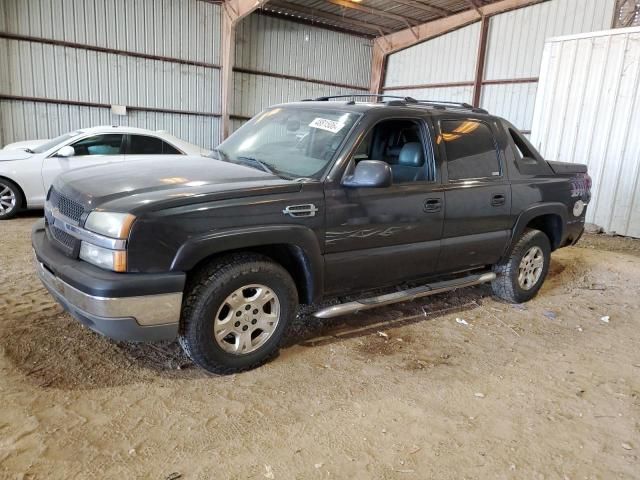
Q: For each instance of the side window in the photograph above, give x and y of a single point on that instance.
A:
(527, 162)
(399, 143)
(522, 150)
(146, 145)
(107, 144)
(471, 149)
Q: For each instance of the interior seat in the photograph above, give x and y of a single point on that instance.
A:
(410, 166)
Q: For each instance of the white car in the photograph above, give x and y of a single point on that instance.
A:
(27, 169)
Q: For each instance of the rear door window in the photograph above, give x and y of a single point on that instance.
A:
(147, 145)
(470, 148)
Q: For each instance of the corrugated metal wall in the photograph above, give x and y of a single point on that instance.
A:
(514, 49)
(524, 32)
(278, 60)
(448, 58)
(73, 59)
(588, 111)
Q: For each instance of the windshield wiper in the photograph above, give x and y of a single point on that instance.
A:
(28, 150)
(260, 163)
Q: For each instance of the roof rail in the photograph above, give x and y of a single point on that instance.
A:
(398, 100)
(377, 95)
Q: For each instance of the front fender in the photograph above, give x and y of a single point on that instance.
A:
(303, 240)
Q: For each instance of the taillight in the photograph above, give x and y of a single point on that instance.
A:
(581, 185)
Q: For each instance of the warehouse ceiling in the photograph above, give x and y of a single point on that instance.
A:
(370, 17)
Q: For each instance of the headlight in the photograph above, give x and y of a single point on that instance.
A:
(114, 225)
(115, 260)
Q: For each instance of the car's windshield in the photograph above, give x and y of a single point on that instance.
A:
(291, 142)
(54, 141)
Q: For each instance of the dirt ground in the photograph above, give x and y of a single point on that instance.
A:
(545, 390)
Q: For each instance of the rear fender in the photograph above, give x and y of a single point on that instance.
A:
(554, 208)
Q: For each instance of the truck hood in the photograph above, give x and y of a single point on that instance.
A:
(164, 182)
(13, 155)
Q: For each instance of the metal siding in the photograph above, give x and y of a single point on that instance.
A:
(88, 76)
(24, 120)
(186, 30)
(276, 45)
(525, 30)
(588, 111)
(452, 94)
(253, 93)
(449, 58)
(514, 101)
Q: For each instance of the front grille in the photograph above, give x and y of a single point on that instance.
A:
(65, 242)
(63, 237)
(68, 208)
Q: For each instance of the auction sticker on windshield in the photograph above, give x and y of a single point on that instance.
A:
(325, 124)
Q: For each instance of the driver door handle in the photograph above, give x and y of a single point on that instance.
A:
(432, 205)
(498, 200)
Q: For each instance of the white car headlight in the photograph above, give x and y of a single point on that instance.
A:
(111, 224)
(115, 260)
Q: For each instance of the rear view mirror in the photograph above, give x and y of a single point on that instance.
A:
(370, 174)
(67, 151)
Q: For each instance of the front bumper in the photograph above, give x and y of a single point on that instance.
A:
(123, 306)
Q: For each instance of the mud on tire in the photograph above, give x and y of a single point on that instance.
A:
(228, 316)
(511, 285)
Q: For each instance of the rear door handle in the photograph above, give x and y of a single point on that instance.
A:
(432, 205)
(498, 200)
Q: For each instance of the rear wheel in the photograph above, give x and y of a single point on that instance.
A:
(10, 199)
(522, 275)
(236, 312)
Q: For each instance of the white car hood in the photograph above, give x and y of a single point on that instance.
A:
(31, 144)
(13, 155)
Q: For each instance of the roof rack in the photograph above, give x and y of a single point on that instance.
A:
(402, 101)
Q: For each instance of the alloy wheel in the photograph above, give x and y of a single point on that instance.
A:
(246, 319)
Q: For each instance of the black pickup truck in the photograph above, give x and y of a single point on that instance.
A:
(307, 201)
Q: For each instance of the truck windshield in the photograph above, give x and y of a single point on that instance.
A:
(293, 143)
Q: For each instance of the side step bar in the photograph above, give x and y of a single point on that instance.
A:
(404, 296)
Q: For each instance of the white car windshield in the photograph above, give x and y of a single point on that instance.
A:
(54, 141)
(292, 142)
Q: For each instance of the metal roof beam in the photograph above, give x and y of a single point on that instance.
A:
(232, 12)
(425, 7)
(372, 11)
(330, 17)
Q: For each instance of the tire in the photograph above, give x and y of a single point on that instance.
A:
(216, 301)
(508, 284)
(11, 200)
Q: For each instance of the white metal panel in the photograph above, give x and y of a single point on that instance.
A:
(276, 45)
(450, 94)
(186, 29)
(588, 111)
(448, 58)
(25, 120)
(513, 101)
(516, 38)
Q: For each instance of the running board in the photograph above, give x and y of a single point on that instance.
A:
(404, 296)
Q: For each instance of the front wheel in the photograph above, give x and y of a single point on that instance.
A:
(521, 276)
(10, 199)
(236, 312)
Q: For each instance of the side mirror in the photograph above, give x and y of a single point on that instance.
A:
(370, 174)
(66, 151)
